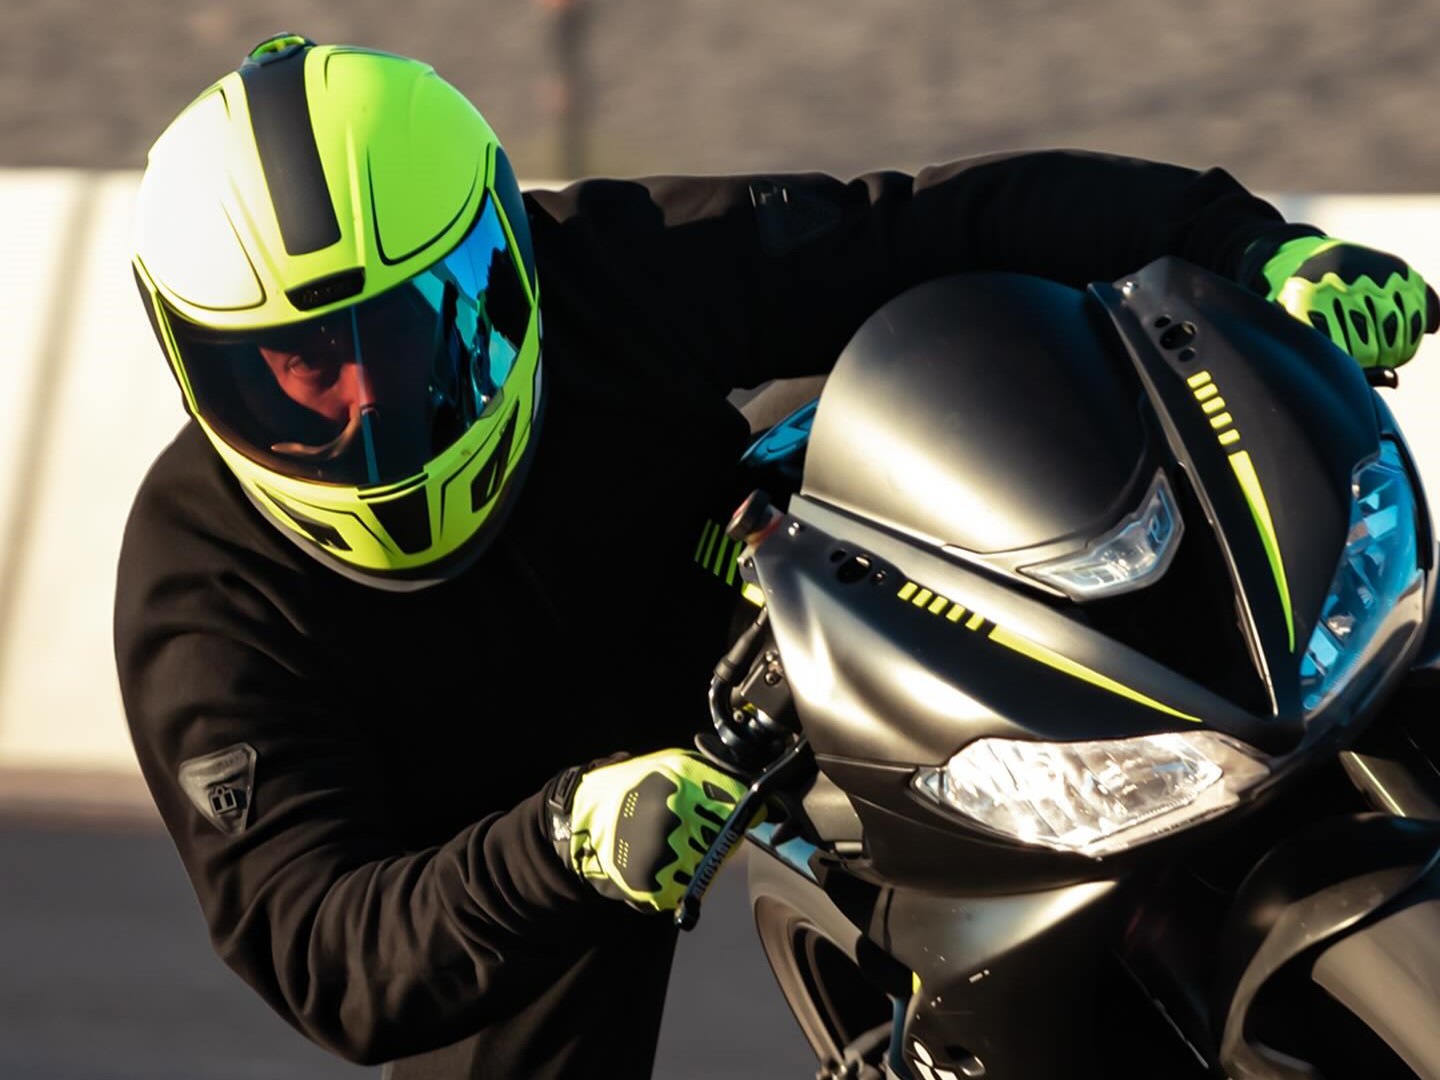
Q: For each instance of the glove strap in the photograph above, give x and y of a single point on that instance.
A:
(558, 804)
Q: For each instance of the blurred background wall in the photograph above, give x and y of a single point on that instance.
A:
(1325, 95)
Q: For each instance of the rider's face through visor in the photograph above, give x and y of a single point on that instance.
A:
(369, 394)
(320, 366)
(316, 367)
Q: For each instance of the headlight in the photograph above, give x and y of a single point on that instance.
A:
(1380, 561)
(1128, 557)
(1094, 798)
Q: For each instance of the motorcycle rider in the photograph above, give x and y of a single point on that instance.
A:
(380, 637)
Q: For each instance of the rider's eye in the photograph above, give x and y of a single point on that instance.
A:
(303, 367)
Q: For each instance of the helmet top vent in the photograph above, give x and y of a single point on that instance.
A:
(278, 47)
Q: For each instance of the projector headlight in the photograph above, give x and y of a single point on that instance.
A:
(1130, 556)
(1380, 562)
(1094, 798)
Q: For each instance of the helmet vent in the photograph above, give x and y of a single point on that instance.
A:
(407, 520)
(318, 531)
(278, 48)
(493, 473)
(327, 290)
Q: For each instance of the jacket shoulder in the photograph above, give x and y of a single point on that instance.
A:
(187, 492)
(191, 524)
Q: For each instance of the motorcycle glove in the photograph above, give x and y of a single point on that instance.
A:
(1369, 303)
(638, 828)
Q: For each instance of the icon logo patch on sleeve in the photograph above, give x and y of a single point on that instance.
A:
(221, 785)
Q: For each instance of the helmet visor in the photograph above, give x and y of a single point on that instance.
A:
(369, 394)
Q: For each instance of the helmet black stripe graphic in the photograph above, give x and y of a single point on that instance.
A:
(280, 117)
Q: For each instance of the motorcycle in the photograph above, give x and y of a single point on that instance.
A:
(1088, 688)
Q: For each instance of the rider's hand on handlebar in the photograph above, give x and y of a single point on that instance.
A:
(636, 829)
(1369, 303)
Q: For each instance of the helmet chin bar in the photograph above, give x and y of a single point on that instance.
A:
(442, 570)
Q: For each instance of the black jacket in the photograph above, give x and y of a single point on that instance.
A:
(391, 890)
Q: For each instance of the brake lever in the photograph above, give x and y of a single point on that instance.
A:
(791, 762)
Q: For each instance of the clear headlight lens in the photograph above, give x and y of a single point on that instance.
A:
(1094, 798)
(1128, 557)
(1380, 561)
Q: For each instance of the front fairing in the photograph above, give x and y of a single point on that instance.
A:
(942, 639)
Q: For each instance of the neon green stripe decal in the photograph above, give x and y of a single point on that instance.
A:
(734, 561)
(1034, 651)
(718, 565)
(704, 536)
(710, 544)
(1048, 657)
(1260, 510)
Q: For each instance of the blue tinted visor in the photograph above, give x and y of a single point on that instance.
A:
(370, 393)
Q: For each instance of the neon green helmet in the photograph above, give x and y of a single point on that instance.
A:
(336, 258)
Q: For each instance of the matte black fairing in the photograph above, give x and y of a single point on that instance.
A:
(884, 686)
(1296, 410)
(1310, 893)
(883, 678)
(986, 417)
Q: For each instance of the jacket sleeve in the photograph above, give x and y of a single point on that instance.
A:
(370, 950)
(760, 277)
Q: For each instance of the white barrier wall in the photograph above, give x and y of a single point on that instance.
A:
(86, 403)
(108, 406)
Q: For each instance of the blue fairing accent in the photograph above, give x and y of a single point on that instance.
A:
(794, 852)
(785, 440)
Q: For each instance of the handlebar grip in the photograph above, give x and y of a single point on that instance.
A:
(687, 913)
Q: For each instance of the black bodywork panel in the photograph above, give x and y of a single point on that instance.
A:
(939, 418)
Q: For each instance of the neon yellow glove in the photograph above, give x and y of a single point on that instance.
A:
(1372, 305)
(637, 829)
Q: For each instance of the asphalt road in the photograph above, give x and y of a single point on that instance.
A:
(106, 974)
